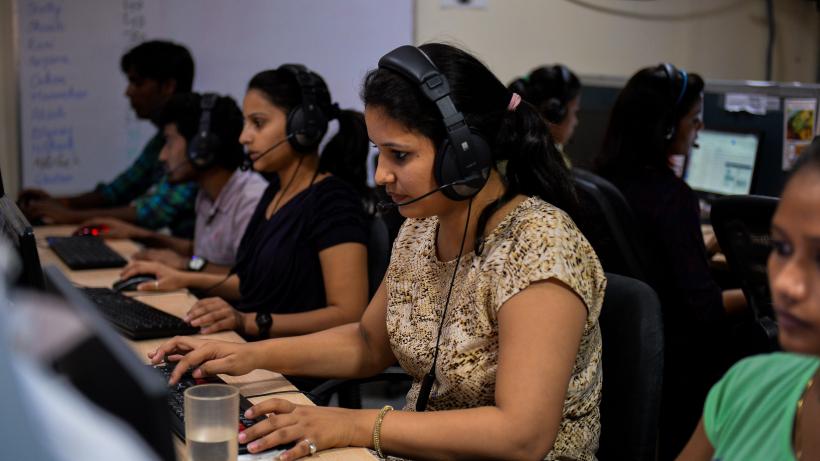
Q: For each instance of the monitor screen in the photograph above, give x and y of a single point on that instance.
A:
(85, 349)
(16, 229)
(723, 163)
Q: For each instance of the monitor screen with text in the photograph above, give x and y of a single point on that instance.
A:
(723, 162)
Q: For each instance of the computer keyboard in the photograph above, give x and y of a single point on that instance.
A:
(176, 403)
(136, 319)
(85, 252)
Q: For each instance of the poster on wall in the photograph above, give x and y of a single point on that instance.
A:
(799, 116)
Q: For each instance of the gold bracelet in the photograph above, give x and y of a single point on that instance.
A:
(377, 430)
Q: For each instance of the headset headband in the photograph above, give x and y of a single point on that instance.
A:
(415, 65)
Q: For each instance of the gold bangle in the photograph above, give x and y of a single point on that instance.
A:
(377, 430)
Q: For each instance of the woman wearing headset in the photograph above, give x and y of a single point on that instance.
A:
(657, 117)
(302, 262)
(491, 299)
(555, 91)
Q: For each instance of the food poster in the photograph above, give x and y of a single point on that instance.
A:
(799, 117)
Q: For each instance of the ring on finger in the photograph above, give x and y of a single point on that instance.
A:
(156, 284)
(311, 446)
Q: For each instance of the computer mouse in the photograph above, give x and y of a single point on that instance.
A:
(96, 231)
(130, 284)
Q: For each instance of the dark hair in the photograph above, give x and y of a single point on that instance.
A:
(546, 83)
(520, 137)
(162, 61)
(646, 110)
(185, 110)
(345, 155)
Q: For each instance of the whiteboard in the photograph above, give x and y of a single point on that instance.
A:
(77, 128)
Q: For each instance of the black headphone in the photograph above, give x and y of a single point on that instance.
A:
(555, 108)
(204, 147)
(307, 122)
(672, 74)
(464, 157)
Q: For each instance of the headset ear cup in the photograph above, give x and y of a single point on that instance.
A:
(305, 135)
(554, 110)
(446, 169)
(202, 150)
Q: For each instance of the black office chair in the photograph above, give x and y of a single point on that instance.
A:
(633, 349)
(378, 253)
(742, 224)
(609, 224)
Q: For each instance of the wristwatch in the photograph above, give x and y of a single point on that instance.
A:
(196, 264)
(264, 322)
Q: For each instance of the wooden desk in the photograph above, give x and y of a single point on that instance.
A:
(178, 303)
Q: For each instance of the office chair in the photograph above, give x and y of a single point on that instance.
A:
(378, 258)
(609, 225)
(633, 350)
(742, 224)
(378, 253)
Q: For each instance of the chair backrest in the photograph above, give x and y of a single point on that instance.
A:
(378, 253)
(609, 224)
(633, 350)
(742, 224)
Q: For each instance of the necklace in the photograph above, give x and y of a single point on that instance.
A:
(798, 443)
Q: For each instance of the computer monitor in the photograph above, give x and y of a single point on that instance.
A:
(97, 362)
(17, 230)
(723, 164)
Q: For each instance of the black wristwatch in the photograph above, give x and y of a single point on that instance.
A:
(264, 322)
(197, 264)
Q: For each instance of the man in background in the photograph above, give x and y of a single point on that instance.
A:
(142, 194)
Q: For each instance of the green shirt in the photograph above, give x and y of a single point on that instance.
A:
(749, 414)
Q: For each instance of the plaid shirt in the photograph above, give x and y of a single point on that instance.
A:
(158, 203)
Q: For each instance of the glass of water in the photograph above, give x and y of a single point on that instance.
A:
(211, 422)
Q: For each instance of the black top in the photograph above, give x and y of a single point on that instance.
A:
(668, 214)
(278, 259)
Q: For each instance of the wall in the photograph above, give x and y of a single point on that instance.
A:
(513, 36)
(729, 42)
(9, 147)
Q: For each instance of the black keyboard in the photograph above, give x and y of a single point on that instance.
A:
(176, 403)
(136, 319)
(85, 252)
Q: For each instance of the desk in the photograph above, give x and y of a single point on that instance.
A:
(177, 303)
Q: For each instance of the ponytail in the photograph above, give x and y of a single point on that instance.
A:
(533, 166)
(345, 155)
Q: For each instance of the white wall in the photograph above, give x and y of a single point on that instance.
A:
(513, 36)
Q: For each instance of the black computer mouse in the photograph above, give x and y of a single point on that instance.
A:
(130, 284)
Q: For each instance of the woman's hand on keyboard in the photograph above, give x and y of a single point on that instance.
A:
(168, 279)
(215, 314)
(324, 427)
(205, 357)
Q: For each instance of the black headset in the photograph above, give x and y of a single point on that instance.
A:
(205, 145)
(672, 75)
(464, 157)
(307, 122)
(555, 108)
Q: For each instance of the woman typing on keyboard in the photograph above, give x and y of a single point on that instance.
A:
(302, 261)
(491, 300)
